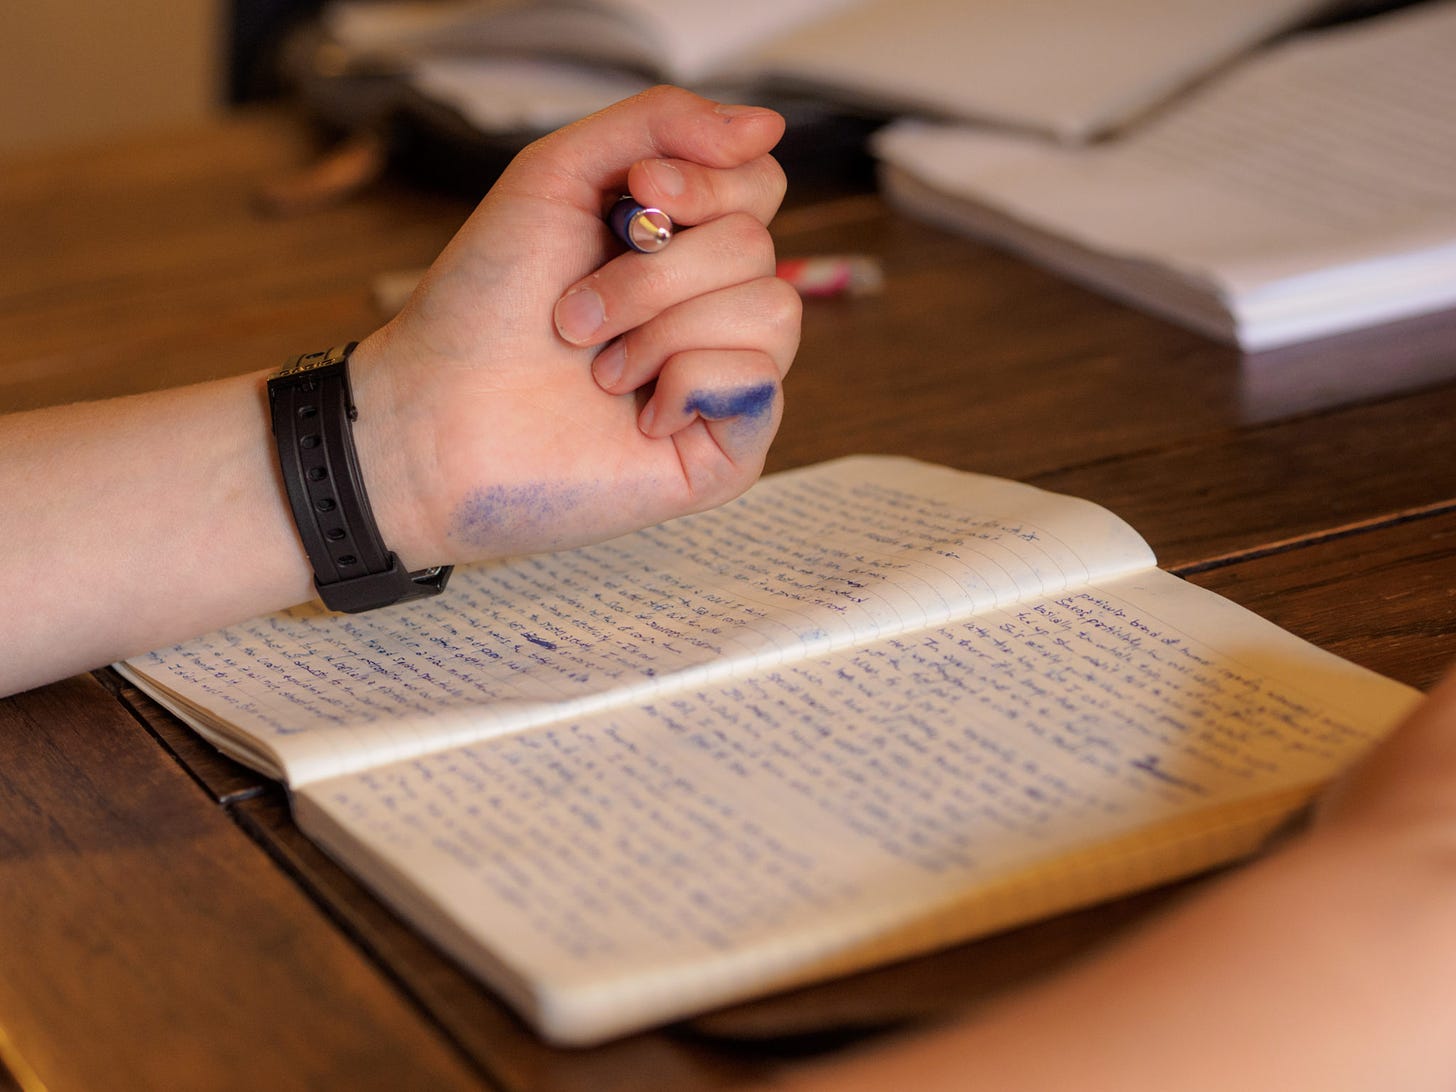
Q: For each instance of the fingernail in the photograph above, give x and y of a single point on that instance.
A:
(730, 111)
(609, 365)
(647, 416)
(666, 177)
(580, 314)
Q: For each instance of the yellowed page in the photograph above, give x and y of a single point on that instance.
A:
(807, 561)
(612, 871)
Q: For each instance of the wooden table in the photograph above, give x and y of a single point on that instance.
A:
(162, 922)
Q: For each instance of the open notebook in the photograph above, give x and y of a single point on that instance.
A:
(871, 708)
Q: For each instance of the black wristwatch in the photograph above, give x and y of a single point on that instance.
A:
(313, 414)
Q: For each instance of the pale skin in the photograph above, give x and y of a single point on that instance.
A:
(505, 411)
(491, 421)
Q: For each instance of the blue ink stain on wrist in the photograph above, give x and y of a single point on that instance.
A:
(749, 402)
(508, 517)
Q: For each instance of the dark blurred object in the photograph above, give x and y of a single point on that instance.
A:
(824, 152)
(349, 166)
(1351, 10)
(256, 31)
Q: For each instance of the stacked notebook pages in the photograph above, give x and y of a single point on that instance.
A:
(1304, 192)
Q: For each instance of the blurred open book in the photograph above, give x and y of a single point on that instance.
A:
(1070, 68)
(1306, 191)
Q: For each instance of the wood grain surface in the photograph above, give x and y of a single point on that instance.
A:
(146, 942)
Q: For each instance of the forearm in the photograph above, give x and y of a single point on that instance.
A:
(138, 522)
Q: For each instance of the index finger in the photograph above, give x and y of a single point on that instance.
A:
(692, 194)
(580, 162)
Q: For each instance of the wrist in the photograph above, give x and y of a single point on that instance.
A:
(397, 457)
(313, 408)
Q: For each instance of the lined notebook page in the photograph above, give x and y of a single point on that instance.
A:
(627, 868)
(805, 562)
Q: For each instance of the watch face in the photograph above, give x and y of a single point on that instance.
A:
(309, 361)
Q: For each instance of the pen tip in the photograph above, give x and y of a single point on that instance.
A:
(650, 230)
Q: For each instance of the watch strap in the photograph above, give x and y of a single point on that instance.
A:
(312, 411)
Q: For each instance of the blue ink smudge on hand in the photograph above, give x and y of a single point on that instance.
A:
(500, 515)
(748, 402)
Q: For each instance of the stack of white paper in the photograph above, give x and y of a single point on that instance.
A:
(1311, 189)
(1068, 68)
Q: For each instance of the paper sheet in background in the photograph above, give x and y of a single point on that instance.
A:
(1307, 191)
(520, 94)
(1070, 68)
(685, 41)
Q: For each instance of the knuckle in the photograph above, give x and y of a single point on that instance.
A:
(784, 301)
(663, 93)
(772, 179)
(746, 238)
(728, 480)
(652, 282)
(781, 311)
